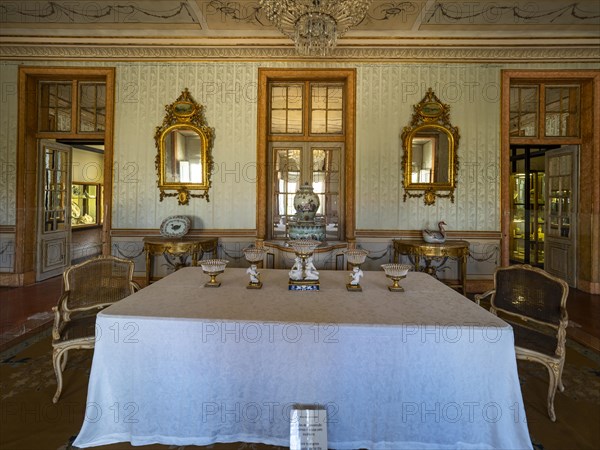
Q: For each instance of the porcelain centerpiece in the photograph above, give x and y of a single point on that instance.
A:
(306, 230)
(306, 203)
(304, 225)
(304, 276)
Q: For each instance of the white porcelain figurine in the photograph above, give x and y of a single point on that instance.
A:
(254, 274)
(296, 271)
(435, 237)
(356, 275)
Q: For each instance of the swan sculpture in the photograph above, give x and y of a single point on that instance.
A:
(435, 237)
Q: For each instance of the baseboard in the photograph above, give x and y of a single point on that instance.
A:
(11, 280)
(588, 286)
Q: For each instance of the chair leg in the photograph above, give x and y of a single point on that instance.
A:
(58, 368)
(63, 360)
(561, 386)
(554, 375)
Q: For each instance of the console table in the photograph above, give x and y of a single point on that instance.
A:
(178, 247)
(417, 248)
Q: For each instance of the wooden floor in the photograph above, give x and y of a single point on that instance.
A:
(28, 310)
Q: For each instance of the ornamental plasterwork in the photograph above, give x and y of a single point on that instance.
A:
(544, 55)
(389, 14)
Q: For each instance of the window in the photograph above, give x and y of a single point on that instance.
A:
(544, 110)
(562, 111)
(55, 106)
(306, 134)
(72, 107)
(92, 107)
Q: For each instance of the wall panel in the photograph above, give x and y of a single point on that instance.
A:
(386, 93)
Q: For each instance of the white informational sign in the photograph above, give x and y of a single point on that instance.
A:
(308, 428)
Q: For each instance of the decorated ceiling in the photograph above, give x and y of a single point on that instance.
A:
(242, 24)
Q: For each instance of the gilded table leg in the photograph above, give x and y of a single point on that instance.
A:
(463, 273)
(148, 266)
(195, 251)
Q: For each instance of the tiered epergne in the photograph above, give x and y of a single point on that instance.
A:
(304, 275)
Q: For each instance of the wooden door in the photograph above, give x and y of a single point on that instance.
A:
(54, 209)
(561, 213)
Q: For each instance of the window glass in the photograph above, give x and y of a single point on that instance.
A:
(286, 109)
(55, 106)
(326, 109)
(562, 111)
(524, 111)
(92, 107)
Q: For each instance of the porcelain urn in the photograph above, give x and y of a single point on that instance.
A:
(306, 203)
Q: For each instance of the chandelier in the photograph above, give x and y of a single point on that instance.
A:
(315, 25)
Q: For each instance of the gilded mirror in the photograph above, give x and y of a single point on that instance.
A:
(430, 143)
(184, 144)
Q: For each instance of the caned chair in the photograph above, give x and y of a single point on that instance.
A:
(534, 297)
(87, 288)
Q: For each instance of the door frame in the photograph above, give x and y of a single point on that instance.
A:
(588, 244)
(27, 161)
(267, 75)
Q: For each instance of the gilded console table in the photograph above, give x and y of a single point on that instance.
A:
(417, 249)
(177, 247)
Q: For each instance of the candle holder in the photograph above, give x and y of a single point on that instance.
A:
(254, 255)
(213, 267)
(304, 275)
(396, 272)
(355, 257)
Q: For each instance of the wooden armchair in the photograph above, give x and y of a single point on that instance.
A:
(88, 288)
(534, 296)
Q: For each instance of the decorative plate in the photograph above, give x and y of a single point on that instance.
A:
(175, 226)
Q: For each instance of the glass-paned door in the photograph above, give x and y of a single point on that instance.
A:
(318, 164)
(54, 209)
(561, 213)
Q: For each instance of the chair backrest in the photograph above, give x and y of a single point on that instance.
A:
(98, 281)
(531, 292)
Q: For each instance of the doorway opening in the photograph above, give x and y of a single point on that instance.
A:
(69, 105)
(544, 190)
(543, 109)
(87, 188)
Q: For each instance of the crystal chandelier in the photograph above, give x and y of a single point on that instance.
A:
(314, 25)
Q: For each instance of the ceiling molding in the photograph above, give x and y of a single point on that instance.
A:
(538, 54)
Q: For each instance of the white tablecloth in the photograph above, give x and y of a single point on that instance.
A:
(180, 364)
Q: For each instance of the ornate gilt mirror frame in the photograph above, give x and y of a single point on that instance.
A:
(184, 151)
(430, 143)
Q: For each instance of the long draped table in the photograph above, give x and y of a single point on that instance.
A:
(180, 364)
